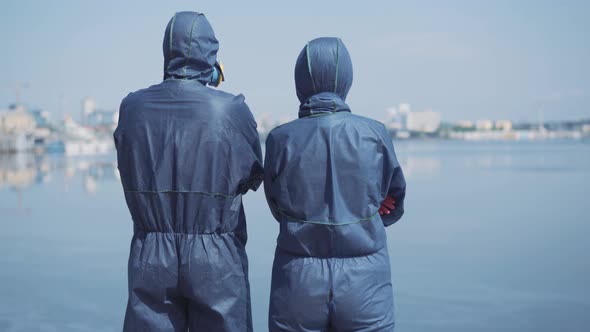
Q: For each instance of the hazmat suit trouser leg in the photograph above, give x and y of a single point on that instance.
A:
(215, 280)
(179, 282)
(331, 294)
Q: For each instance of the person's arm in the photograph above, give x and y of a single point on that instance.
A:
(270, 173)
(394, 181)
(253, 156)
(120, 121)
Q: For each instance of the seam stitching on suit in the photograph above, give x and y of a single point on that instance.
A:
(177, 233)
(369, 218)
(309, 67)
(179, 192)
(337, 62)
(170, 40)
(190, 41)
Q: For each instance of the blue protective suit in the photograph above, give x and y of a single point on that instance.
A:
(326, 175)
(186, 154)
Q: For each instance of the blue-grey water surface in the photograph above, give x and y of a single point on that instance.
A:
(495, 238)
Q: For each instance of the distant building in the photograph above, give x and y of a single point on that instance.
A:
(88, 107)
(16, 130)
(465, 124)
(94, 117)
(17, 121)
(41, 117)
(504, 125)
(393, 121)
(102, 118)
(484, 125)
(425, 122)
(404, 108)
(402, 115)
(403, 119)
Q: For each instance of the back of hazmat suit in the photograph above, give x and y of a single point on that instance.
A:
(325, 176)
(186, 153)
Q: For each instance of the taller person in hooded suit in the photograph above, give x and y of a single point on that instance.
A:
(186, 154)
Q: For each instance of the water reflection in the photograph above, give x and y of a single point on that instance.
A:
(415, 167)
(420, 161)
(19, 172)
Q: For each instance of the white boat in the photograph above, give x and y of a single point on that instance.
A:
(81, 141)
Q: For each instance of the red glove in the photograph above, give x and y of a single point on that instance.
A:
(387, 205)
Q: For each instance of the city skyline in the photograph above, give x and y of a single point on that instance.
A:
(500, 60)
(399, 117)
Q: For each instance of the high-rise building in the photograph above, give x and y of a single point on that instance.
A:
(404, 110)
(393, 121)
(88, 107)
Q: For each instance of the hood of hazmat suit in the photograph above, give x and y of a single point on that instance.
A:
(186, 153)
(326, 175)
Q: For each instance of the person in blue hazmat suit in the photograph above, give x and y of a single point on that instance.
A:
(333, 182)
(186, 153)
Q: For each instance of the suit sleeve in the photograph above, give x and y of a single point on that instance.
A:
(252, 158)
(393, 180)
(270, 173)
(120, 121)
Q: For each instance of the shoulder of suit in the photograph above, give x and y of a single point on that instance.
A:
(368, 121)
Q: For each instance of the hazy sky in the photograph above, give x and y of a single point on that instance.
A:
(466, 59)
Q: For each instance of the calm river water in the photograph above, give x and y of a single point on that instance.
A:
(495, 238)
